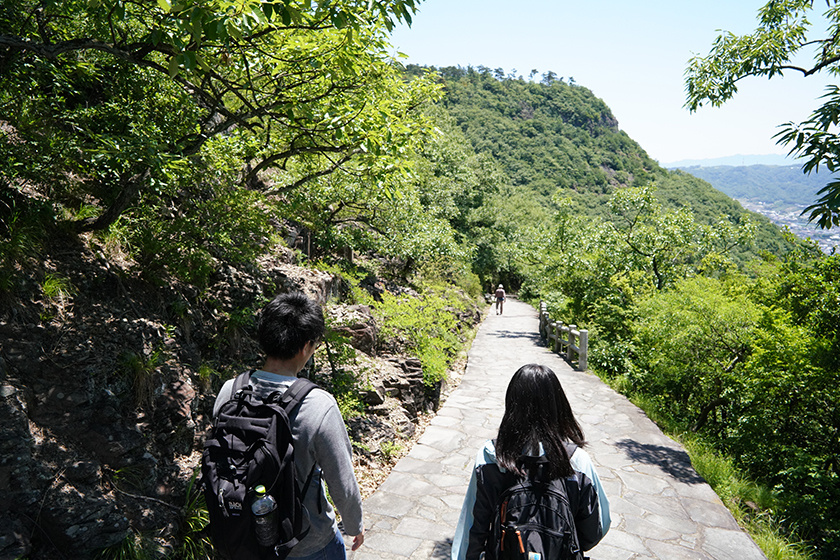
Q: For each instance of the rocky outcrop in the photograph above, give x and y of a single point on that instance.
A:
(105, 402)
(396, 397)
(19, 474)
(316, 284)
(71, 458)
(356, 322)
(409, 387)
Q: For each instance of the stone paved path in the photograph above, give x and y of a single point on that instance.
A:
(660, 507)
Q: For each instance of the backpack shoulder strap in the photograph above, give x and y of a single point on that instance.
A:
(294, 395)
(290, 400)
(241, 382)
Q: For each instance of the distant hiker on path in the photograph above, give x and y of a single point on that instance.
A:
(291, 328)
(500, 300)
(539, 441)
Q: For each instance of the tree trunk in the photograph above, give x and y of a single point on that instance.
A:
(130, 188)
(705, 411)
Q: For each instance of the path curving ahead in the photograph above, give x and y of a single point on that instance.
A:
(660, 507)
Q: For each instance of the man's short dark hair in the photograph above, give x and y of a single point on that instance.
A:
(287, 323)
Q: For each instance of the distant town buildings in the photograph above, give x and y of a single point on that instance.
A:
(791, 217)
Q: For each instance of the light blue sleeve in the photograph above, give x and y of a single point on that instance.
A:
(582, 462)
(461, 540)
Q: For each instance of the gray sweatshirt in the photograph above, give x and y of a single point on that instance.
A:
(321, 439)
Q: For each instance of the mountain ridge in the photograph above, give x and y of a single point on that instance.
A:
(737, 160)
(559, 141)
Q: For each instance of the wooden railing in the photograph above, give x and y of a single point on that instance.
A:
(564, 339)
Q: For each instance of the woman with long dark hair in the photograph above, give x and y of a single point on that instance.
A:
(538, 430)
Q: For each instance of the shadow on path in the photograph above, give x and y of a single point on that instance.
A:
(442, 549)
(533, 337)
(674, 462)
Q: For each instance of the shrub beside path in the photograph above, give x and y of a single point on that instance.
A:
(661, 508)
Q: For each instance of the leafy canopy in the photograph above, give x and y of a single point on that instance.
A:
(105, 100)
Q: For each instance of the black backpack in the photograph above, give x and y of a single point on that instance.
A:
(250, 445)
(533, 519)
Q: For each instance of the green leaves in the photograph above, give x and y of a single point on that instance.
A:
(666, 245)
(751, 366)
(426, 324)
(166, 76)
(766, 52)
(816, 141)
(826, 211)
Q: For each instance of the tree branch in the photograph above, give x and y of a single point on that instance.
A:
(53, 50)
(298, 151)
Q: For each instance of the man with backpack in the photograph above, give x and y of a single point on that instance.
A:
(291, 328)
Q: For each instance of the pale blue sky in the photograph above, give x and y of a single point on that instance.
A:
(630, 54)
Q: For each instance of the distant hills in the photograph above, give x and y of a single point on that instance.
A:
(772, 184)
(736, 160)
(557, 140)
(780, 192)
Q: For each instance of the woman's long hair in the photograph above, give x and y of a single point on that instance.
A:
(537, 412)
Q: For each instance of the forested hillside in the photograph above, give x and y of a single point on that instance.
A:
(166, 169)
(557, 140)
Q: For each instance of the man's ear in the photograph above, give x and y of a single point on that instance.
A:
(304, 350)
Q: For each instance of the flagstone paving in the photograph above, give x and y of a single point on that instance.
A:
(661, 508)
